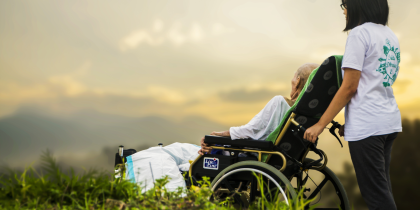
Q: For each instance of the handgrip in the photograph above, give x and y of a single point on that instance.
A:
(336, 125)
(302, 128)
(298, 125)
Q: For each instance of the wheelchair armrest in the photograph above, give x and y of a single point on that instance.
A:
(223, 140)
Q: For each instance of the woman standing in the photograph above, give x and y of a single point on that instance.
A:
(370, 67)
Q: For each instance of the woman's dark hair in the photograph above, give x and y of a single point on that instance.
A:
(362, 11)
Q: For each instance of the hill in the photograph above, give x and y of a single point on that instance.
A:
(89, 138)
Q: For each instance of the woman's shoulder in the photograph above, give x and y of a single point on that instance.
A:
(368, 29)
(359, 30)
(367, 33)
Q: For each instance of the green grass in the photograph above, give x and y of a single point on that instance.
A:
(54, 189)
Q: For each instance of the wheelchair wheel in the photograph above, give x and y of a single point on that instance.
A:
(323, 186)
(240, 185)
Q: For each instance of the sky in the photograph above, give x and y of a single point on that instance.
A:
(174, 66)
(220, 59)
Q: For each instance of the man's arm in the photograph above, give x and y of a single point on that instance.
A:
(257, 127)
(221, 133)
(262, 124)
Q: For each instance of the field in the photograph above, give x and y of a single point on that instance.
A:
(49, 187)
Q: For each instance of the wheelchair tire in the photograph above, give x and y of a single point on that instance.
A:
(339, 194)
(245, 169)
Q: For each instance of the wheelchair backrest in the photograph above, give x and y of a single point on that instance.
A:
(317, 94)
(320, 89)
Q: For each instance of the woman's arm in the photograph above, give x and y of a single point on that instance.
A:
(342, 97)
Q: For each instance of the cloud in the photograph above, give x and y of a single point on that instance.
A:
(250, 96)
(67, 93)
(13, 93)
(69, 85)
(166, 95)
(219, 29)
(65, 96)
(400, 86)
(319, 55)
(138, 37)
(196, 32)
(177, 34)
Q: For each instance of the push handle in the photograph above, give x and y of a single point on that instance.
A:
(312, 146)
(121, 150)
(335, 125)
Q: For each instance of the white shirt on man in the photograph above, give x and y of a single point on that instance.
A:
(265, 122)
(374, 50)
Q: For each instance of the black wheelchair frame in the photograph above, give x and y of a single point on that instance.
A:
(276, 163)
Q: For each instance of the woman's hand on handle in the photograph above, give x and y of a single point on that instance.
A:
(313, 132)
(341, 131)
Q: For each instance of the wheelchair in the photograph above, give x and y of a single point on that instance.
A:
(277, 168)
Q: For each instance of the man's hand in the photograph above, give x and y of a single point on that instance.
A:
(221, 133)
(313, 132)
(341, 131)
(204, 148)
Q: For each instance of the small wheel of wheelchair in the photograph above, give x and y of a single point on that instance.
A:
(323, 186)
(243, 182)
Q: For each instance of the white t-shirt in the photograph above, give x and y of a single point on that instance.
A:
(265, 122)
(374, 50)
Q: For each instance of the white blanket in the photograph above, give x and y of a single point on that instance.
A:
(146, 166)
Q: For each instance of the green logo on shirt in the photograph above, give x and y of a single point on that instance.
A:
(390, 65)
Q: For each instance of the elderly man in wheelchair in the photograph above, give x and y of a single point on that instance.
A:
(270, 146)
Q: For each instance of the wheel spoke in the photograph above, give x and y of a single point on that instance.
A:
(253, 188)
(320, 186)
(248, 191)
(231, 189)
(337, 201)
(305, 180)
(338, 193)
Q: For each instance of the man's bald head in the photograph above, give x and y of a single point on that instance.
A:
(299, 80)
(303, 73)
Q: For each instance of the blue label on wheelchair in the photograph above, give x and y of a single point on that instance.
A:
(211, 163)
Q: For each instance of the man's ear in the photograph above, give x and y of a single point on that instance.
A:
(298, 82)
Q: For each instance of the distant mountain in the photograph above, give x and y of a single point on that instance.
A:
(87, 134)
